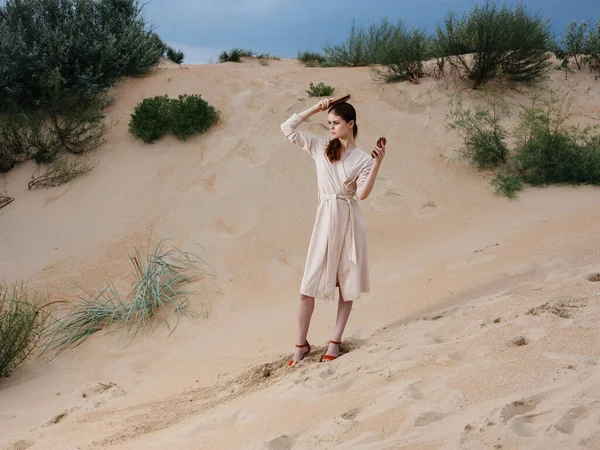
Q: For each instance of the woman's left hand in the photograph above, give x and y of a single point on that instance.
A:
(378, 153)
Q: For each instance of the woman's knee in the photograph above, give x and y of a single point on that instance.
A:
(306, 298)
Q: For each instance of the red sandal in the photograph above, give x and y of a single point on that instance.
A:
(306, 344)
(329, 357)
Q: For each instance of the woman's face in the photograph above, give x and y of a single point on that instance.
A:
(338, 127)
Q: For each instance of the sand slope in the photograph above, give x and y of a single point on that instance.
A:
(481, 330)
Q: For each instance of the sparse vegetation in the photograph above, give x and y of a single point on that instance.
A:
(490, 41)
(482, 131)
(175, 55)
(548, 150)
(22, 325)
(401, 51)
(60, 171)
(235, 55)
(581, 44)
(507, 185)
(189, 114)
(353, 52)
(156, 292)
(311, 59)
(319, 89)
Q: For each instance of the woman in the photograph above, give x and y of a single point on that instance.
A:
(337, 254)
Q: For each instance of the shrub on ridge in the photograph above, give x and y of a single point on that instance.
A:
(175, 55)
(491, 40)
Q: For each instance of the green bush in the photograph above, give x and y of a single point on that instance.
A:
(353, 52)
(550, 151)
(320, 89)
(592, 58)
(189, 114)
(311, 59)
(151, 118)
(507, 185)
(381, 41)
(235, 55)
(481, 129)
(509, 41)
(574, 42)
(175, 55)
(400, 51)
(22, 325)
(84, 44)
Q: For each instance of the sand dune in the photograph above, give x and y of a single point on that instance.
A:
(480, 332)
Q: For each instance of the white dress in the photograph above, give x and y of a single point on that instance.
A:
(338, 246)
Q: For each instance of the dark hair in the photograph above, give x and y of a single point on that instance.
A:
(347, 112)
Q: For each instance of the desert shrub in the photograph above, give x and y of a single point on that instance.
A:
(353, 52)
(551, 151)
(319, 89)
(482, 131)
(22, 325)
(44, 136)
(61, 170)
(157, 291)
(502, 40)
(191, 114)
(235, 55)
(311, 59)
(175, 55)
(264, 59)
(574, 42)
(380, 40)
(507, 185)
(89, 44)
(401, 52)
(547, 149)
(592, 58)
(151, 118)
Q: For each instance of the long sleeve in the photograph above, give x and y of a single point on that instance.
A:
(306, 141)
(364, 173)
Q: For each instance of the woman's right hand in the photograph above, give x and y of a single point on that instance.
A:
(325, 104)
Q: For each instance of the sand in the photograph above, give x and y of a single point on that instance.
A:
(480, 331)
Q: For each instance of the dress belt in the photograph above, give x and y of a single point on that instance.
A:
(350, 199)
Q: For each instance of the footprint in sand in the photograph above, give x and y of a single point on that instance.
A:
(428, 418)
(564, 309)
(567, 422)
(593, 277)
(428, 210)
(283, 442)
(391, 200)
(518, 408)
(21, 445)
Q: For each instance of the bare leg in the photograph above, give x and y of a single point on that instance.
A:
(305, 310)
(343, 313)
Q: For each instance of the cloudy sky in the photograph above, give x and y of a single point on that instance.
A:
(203, 28)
